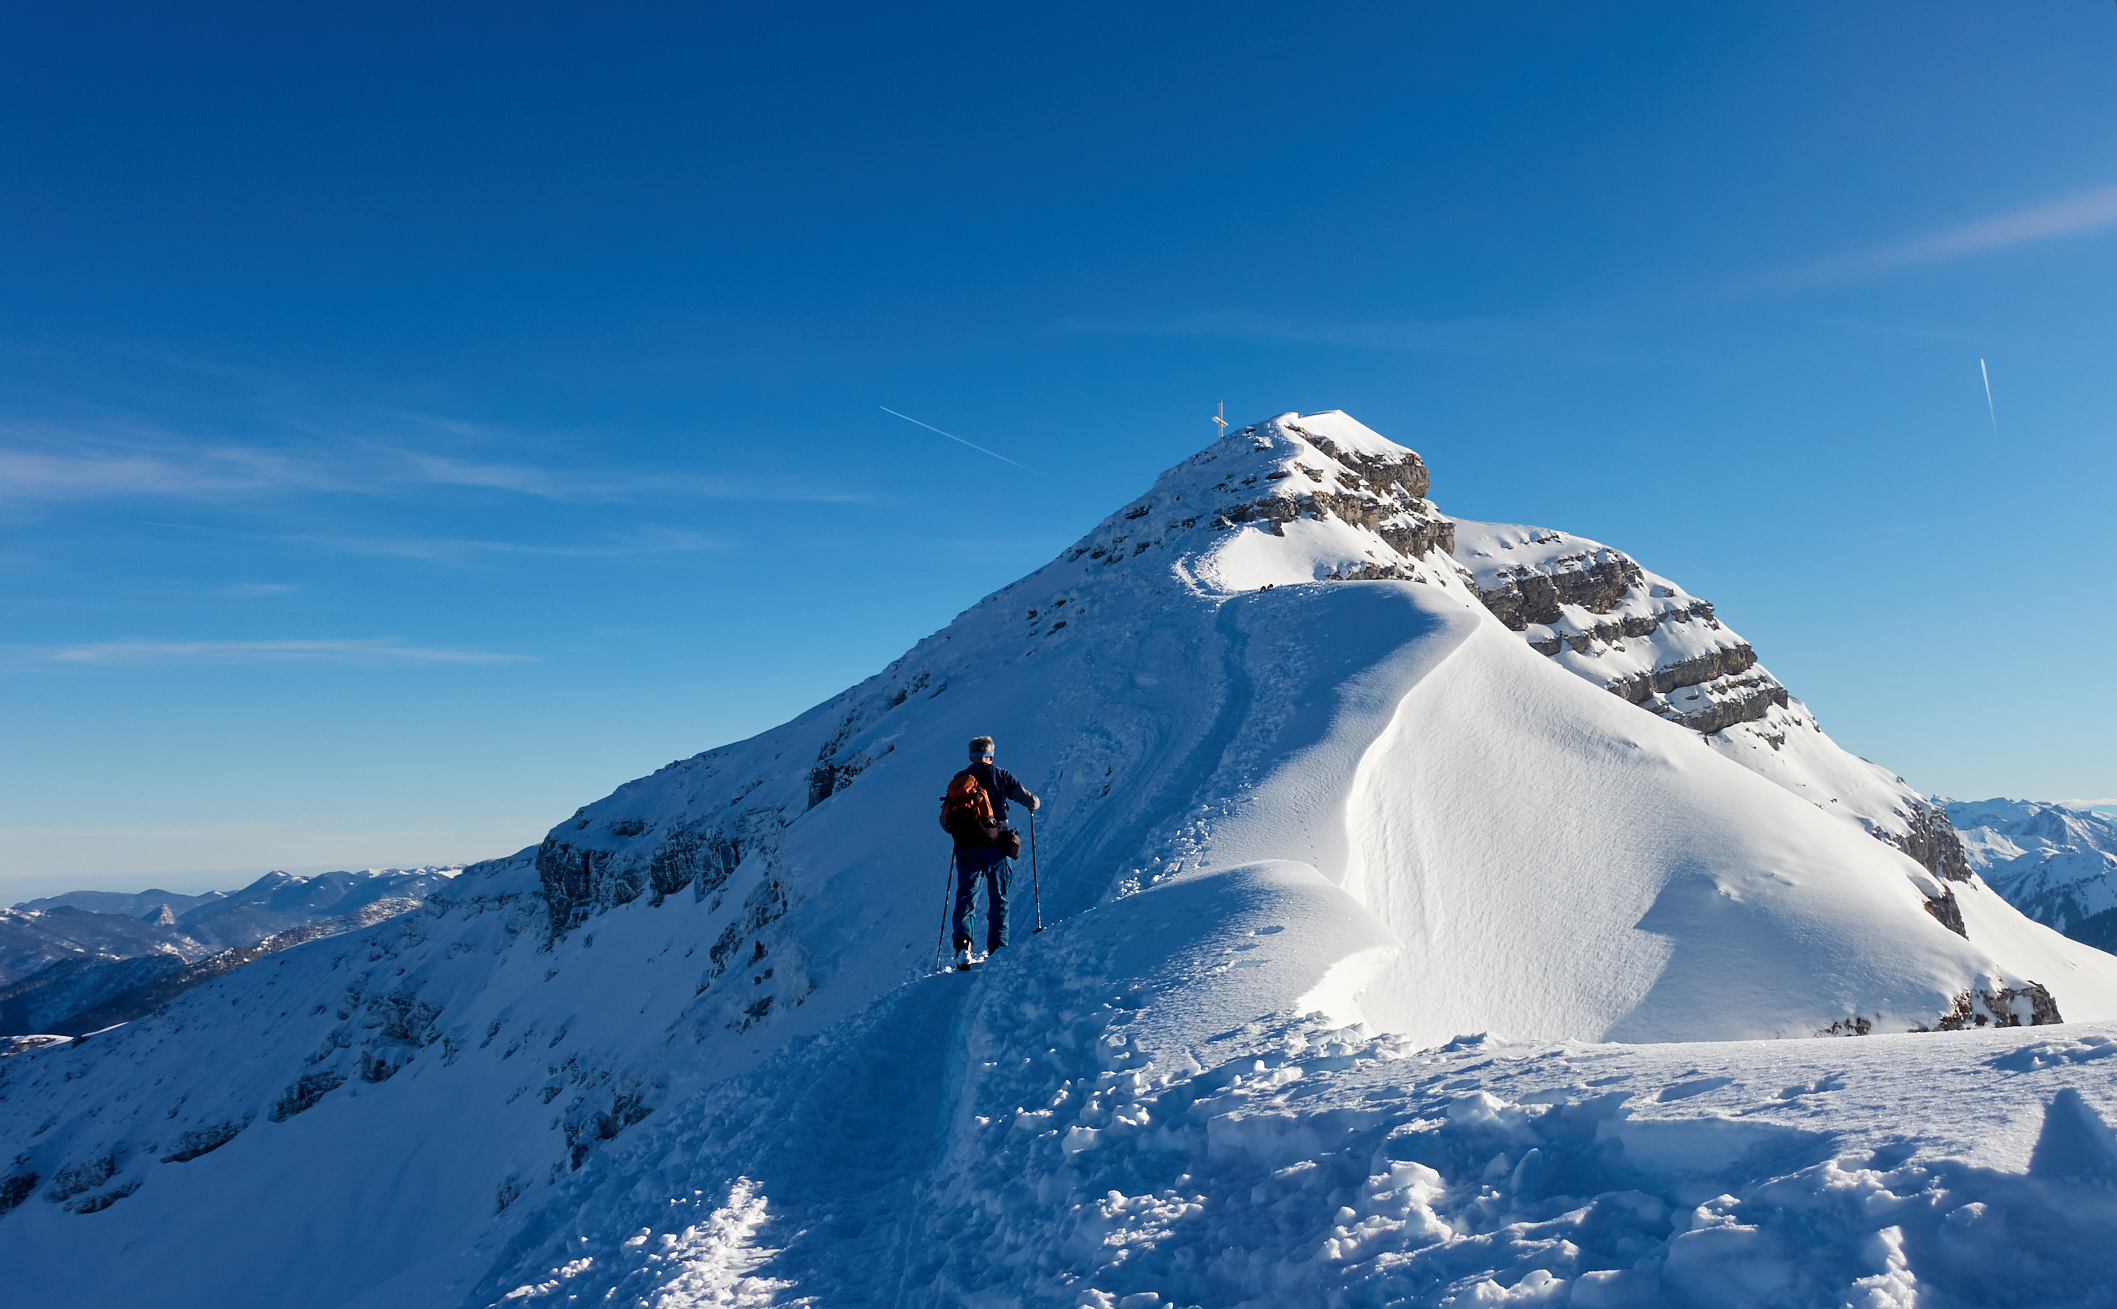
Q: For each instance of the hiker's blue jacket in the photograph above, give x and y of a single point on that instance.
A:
(1000, 784)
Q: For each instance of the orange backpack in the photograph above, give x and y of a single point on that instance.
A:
(967, 813)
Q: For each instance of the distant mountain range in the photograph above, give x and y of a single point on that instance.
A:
(2055, 864)
(81, 961)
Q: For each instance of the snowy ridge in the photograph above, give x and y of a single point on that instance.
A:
(1600, 615)
(1302, 788)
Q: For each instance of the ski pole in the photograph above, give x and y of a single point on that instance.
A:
(948, 885)
(1036, 884)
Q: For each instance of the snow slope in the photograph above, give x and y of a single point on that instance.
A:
(1095, 1136)
(1601, 616)
(1298, 776)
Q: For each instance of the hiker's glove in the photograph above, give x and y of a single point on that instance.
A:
(1034, 804)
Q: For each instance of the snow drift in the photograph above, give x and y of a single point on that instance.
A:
(1308, 774)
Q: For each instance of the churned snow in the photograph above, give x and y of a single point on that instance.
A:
(1389, 961)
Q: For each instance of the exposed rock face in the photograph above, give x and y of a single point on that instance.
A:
(1596, 580)
(1610, 621)
(1319, 479)
(203, 1140)
(1948, 912)
(2026, 1005)
(1934, 842)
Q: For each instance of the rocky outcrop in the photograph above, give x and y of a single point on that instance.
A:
(1608, 620)
(1278, 473)
(1934, 842)
(1380, 493)
(202, 1140)
(1716, 705)
(1948, 912)
(2027, 1005)
(1594, 580)
(1412, 529)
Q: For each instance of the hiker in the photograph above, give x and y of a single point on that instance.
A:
(975, 814)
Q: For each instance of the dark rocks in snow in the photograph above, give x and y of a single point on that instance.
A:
(74, 1179)
(578, 882)
(689, 856)
(1406, 472)
(1707, 692)
(1853, 1026)
(2027, 1005)
(17, 1188)
(582, 880)
(306, 1092)
(202, 1140)
(98, 1203)
(1948, 913)
(1411, 526)
(1594, 580)
(2006, 1007)
(1726, 661)
(1934, 842)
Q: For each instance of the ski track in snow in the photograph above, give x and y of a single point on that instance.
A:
(1273, 817)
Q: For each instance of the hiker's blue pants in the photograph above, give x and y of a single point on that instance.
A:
(997, 870)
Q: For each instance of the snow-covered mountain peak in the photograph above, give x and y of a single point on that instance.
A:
(1326, 497)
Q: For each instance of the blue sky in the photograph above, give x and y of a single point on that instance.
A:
(415, 422)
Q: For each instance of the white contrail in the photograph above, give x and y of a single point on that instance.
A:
(953, 437)
(1985, 373)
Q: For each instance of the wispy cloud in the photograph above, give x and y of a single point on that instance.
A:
(579, 485)
(1580, 339)
(116, 457)
(1475, 334)
(33, 475)
(370, 651)
(458, 550)
(2085, 212)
